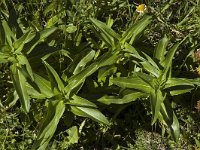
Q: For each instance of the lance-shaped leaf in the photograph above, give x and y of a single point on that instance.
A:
(38, 37)
(27, 68)
(81, 65)
(167, 62)
(132, 82)
(178, 86)
(19, 43)
(156, 98)
(56, 82)
(133, 51)
(130, 34)
(19, 83)
(106, 59)
(125, 99)
(170, 119)
(91, 113)
(49, 125)
(151, 66)
(106, 71)
(171, 82)
(107, 34)
(40, 88)
(9, 35)
(160, 50)
(79, 101)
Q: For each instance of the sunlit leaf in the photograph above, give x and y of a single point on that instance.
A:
(55, 111)
(91, 113)
(126, 99)
(19, 82)
(161, 49)
(170, 119)
(130, 34)
(79, 101)
(54, 77)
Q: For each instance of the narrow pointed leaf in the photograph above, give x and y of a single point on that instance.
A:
(126, 99)
(170, 119)
(19, 83)
(178, 86)
(178, 82)
(8, 33)
(105, 29)
(167, 62)
(79, 101)
(106, 59)
(38, 37)
(130, 34)
(48, 127)
(54, 77)
(91, 113)
(135, 83)
(156, 101)
(161, 49)
(24, 61)
(80, 66)
(40, 88)
(19, 43)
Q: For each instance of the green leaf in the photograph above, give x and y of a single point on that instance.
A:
(79, 78)
(19, 83)
(132, 82)
(56, 82)
(38, 37)
(107, 34)
(79, 101)
(83, 62)
(19, 43)
(106, 71)
(4, 58)
(150, 68)
(49, 51)
(170, 119)
(126, 99)
(167, 62)
(72, 137)
(40, 88)
(135, 29)
(160, 50)
(24, 62)
(11, 100)
(56, 18)
(178, 82)
(91, 113)
(180, 90)
(178, 86)
(157, 99)
(49, 125)
(106, 59)
(71, 29)
(133, 51)
(8, 33)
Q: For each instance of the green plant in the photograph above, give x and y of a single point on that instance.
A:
(59, 60)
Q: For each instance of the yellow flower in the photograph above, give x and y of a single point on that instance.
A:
(141, 8)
